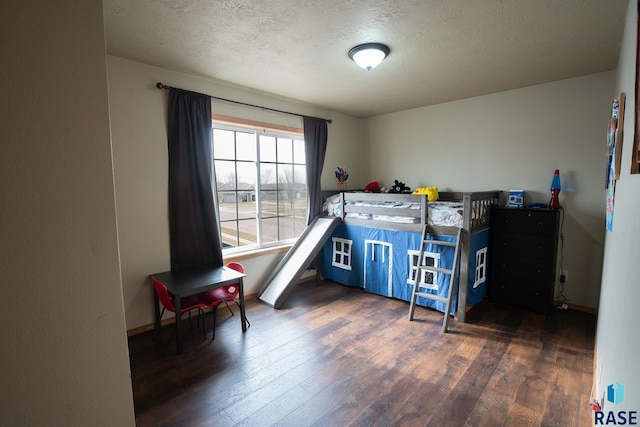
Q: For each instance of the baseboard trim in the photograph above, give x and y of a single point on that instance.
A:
(172, 320)
(576, 307)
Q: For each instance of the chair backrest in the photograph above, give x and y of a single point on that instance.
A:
(232, 291)
(163, 295)
(236, 266)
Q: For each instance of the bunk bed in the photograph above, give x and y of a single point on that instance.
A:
(377, 245)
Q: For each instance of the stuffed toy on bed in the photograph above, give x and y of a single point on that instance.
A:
(373, 187)
(431, 192)
(399, 187)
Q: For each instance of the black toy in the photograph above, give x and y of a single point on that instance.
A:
(399, 187)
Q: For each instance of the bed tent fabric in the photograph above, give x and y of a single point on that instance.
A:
(379, 262)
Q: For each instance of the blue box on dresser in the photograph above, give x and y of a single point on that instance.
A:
(516, 198)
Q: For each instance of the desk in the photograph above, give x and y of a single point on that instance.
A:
(192, 281)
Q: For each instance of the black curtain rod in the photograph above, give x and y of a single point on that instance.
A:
(163, 86)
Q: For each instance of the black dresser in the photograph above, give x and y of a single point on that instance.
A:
(523, 256)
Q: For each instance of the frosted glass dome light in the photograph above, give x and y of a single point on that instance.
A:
(369, 55)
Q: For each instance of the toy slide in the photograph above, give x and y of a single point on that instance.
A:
(294, 263)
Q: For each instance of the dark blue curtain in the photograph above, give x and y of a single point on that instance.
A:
(315, 146)
(193, 228)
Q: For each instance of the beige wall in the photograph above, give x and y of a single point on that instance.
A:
(64, 358)
(513, 140)
(619, 317)
(138, 121)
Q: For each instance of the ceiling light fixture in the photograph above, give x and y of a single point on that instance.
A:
(369, 55)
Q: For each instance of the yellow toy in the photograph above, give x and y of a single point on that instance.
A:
(431, 192)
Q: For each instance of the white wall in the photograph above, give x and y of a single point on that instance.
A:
(64, 358)
(139, 129)
(513, 140)
(618, 319)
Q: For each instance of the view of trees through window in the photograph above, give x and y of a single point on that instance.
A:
(261, 186)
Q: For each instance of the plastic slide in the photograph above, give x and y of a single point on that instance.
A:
(294, 263)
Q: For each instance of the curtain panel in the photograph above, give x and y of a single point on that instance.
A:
(193, 221)
(315, 146)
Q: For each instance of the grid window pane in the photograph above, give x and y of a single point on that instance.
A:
(286, 228)
(285, 150)
(248, 232)
(301, 222)
(270, 230)
(223, 144)
(268, 175)
(269, 203)
(298, 152)
(260, 182)
(246, 146)
(300, 175)
(246, 175)
(225, 175)
(229, 232)
(246, 205)
(227, 205)
(267, 148)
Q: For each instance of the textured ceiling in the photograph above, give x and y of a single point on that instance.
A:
(441, 50)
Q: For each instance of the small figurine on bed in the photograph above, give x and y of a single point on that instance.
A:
(399, 187)
(431, 192)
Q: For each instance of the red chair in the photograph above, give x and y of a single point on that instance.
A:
(215, 297)
(236, 266)
(189, 304)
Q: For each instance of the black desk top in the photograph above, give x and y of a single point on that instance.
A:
(198, 279)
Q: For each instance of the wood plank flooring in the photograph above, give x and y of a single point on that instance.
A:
(337, 356)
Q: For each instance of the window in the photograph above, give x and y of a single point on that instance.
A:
(341, 253)
(429, 280)
(481, 267)
(261, 186)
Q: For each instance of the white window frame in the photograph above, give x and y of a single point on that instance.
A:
(481, 267)
(413, 269)
(340, 254)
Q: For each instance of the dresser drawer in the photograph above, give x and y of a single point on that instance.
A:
(535, 296)
(533, 269)
(525, 221)
(532, 246)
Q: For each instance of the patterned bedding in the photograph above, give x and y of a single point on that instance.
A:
(449, 214)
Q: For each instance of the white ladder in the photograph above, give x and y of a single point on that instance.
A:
(425, 241)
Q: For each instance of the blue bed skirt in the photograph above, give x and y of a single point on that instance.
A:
(383, 262)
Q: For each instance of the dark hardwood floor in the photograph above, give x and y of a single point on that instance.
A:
(337, 356)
